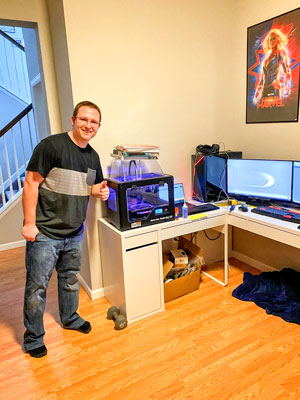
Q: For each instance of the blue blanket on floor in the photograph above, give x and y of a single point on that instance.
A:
(277, 292)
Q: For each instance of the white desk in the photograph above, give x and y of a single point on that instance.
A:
(132, 262)
(272, 228)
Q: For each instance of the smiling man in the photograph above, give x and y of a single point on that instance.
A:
(63, 172)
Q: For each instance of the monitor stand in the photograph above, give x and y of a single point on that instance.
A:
(258, 202)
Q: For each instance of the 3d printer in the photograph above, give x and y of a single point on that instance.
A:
(140, 193)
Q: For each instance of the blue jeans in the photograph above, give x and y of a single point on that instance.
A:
(42, 256)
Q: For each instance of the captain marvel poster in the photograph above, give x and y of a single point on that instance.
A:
(273, 61)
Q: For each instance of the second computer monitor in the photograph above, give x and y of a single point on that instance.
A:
(296, 183)
(265, 179)
(216, 172)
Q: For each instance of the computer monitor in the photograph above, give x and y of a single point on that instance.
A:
(260, 179)
(209, 179)
(178, 193)
(296, 182)
(216, 172)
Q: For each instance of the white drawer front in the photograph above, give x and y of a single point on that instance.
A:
(140, 240)
(192, 226)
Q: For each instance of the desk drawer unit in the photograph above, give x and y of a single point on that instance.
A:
(142, 281)
(131, 269)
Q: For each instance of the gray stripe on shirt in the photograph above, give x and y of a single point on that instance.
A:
(66, 181)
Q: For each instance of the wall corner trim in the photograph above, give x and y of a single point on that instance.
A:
(93, 294)
(252, 262)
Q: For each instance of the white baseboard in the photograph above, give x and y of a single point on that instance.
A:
(252, 262)
(93, 294)
(12, 245)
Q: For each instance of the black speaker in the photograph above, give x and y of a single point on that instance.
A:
(209, 175)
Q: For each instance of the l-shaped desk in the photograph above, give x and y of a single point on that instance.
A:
(132, 263)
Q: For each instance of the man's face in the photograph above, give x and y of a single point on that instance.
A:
(86, 124)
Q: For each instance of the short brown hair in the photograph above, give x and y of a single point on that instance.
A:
(86, 103)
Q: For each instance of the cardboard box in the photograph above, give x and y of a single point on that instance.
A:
(178, 256)
(193, 251)
(188, 283)
(181, 286)
(167, 265)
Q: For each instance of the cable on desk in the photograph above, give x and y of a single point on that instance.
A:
(212, 238)
(193, 235)
(222, 191)
(221, 178)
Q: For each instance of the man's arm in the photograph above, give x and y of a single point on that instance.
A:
(29, 202)
(100, 190)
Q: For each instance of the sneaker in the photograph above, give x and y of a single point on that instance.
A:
(84, 328)
(38, 352)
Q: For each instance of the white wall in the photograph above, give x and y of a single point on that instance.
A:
(156, 69)
(61, 59)
(11, 222)
(271, 140)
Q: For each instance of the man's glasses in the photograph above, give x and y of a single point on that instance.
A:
(85, 121)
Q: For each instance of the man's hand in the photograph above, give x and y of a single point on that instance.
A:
(29, 202)
(30, 232)
(101, 190)
(104, 191)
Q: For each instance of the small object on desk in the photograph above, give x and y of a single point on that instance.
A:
(195, 217)
(243, 208)
(298, 227)
(232, 207)
(185, 211)
(176, 213)
(223, 204)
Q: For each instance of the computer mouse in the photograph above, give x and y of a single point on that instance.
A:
(232, 207)
(243, 207)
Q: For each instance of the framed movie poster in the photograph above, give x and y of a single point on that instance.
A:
(273, 59)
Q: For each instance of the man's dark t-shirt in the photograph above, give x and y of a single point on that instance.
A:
(69, 173)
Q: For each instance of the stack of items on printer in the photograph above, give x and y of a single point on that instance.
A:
(181, 269)
(126, 150)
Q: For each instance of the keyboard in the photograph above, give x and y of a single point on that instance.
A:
(279, 213)
(201, 208)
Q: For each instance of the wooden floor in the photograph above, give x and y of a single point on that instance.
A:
(206, 345)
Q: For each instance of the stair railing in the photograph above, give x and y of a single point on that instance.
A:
(15, 155)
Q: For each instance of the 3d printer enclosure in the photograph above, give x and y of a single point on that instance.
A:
(118, 212)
